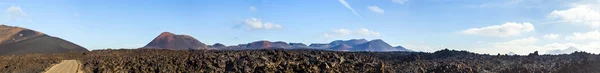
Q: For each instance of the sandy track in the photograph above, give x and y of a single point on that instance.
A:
(66, 66)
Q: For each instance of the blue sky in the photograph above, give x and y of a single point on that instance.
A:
(482, 26)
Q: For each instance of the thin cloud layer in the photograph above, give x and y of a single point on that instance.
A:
(376, 9)
(505, 30)
(257, 24)
(15, 13)
(581, 14)
(551, 36)
(592, 35)
(343, 2)
(362, 32)
(252, 9)
(399, 1)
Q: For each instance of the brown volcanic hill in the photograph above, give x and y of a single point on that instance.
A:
(167, 40)
(218, 46)
(281, 44)
(342, 47)
(16, 40)
(259, 45)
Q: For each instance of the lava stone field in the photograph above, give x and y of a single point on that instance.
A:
(304, 60)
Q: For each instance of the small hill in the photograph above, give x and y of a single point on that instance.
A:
(374, 45)
(342, 47)
(167, 40)
(218, 46)
(281, 44)
(298, 45)
(350, 42)
(17, 40)
(319, 46)
(400, 48)
(264, 44)
(259, 45)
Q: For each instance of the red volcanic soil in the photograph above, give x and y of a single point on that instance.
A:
(167, 40)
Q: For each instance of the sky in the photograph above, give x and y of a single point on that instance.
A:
(481, 26)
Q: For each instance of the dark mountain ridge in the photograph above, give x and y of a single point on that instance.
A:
(17, 40)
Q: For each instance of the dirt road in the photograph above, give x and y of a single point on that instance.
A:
(66, 66)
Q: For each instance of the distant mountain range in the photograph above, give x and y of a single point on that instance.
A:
(167, 40)
(17, 40)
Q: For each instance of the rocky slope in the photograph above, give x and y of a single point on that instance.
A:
(16, 40)
(168, 40)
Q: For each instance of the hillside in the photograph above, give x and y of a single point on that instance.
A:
(168, 40)
(17, 40)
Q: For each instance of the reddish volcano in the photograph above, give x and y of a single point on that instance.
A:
(167, 40)
(260, 45)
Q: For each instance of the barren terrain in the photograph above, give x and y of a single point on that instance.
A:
(279, 60)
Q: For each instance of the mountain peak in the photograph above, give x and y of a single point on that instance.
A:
(166, 33)
(357, 40)
(350, 42)
(168, 40)
(377, 40)
(259, 44)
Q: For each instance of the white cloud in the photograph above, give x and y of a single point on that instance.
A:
(252, 9)
(346, 32)
(327, 35)
(504, 30)
(366, 32)
(15, 13)
(376, 9)
(399, 1)
(342, 31)
(592, 35)
(254, 24)
(580, 14)
(523, 41)
(551, 36)
(343, 2)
